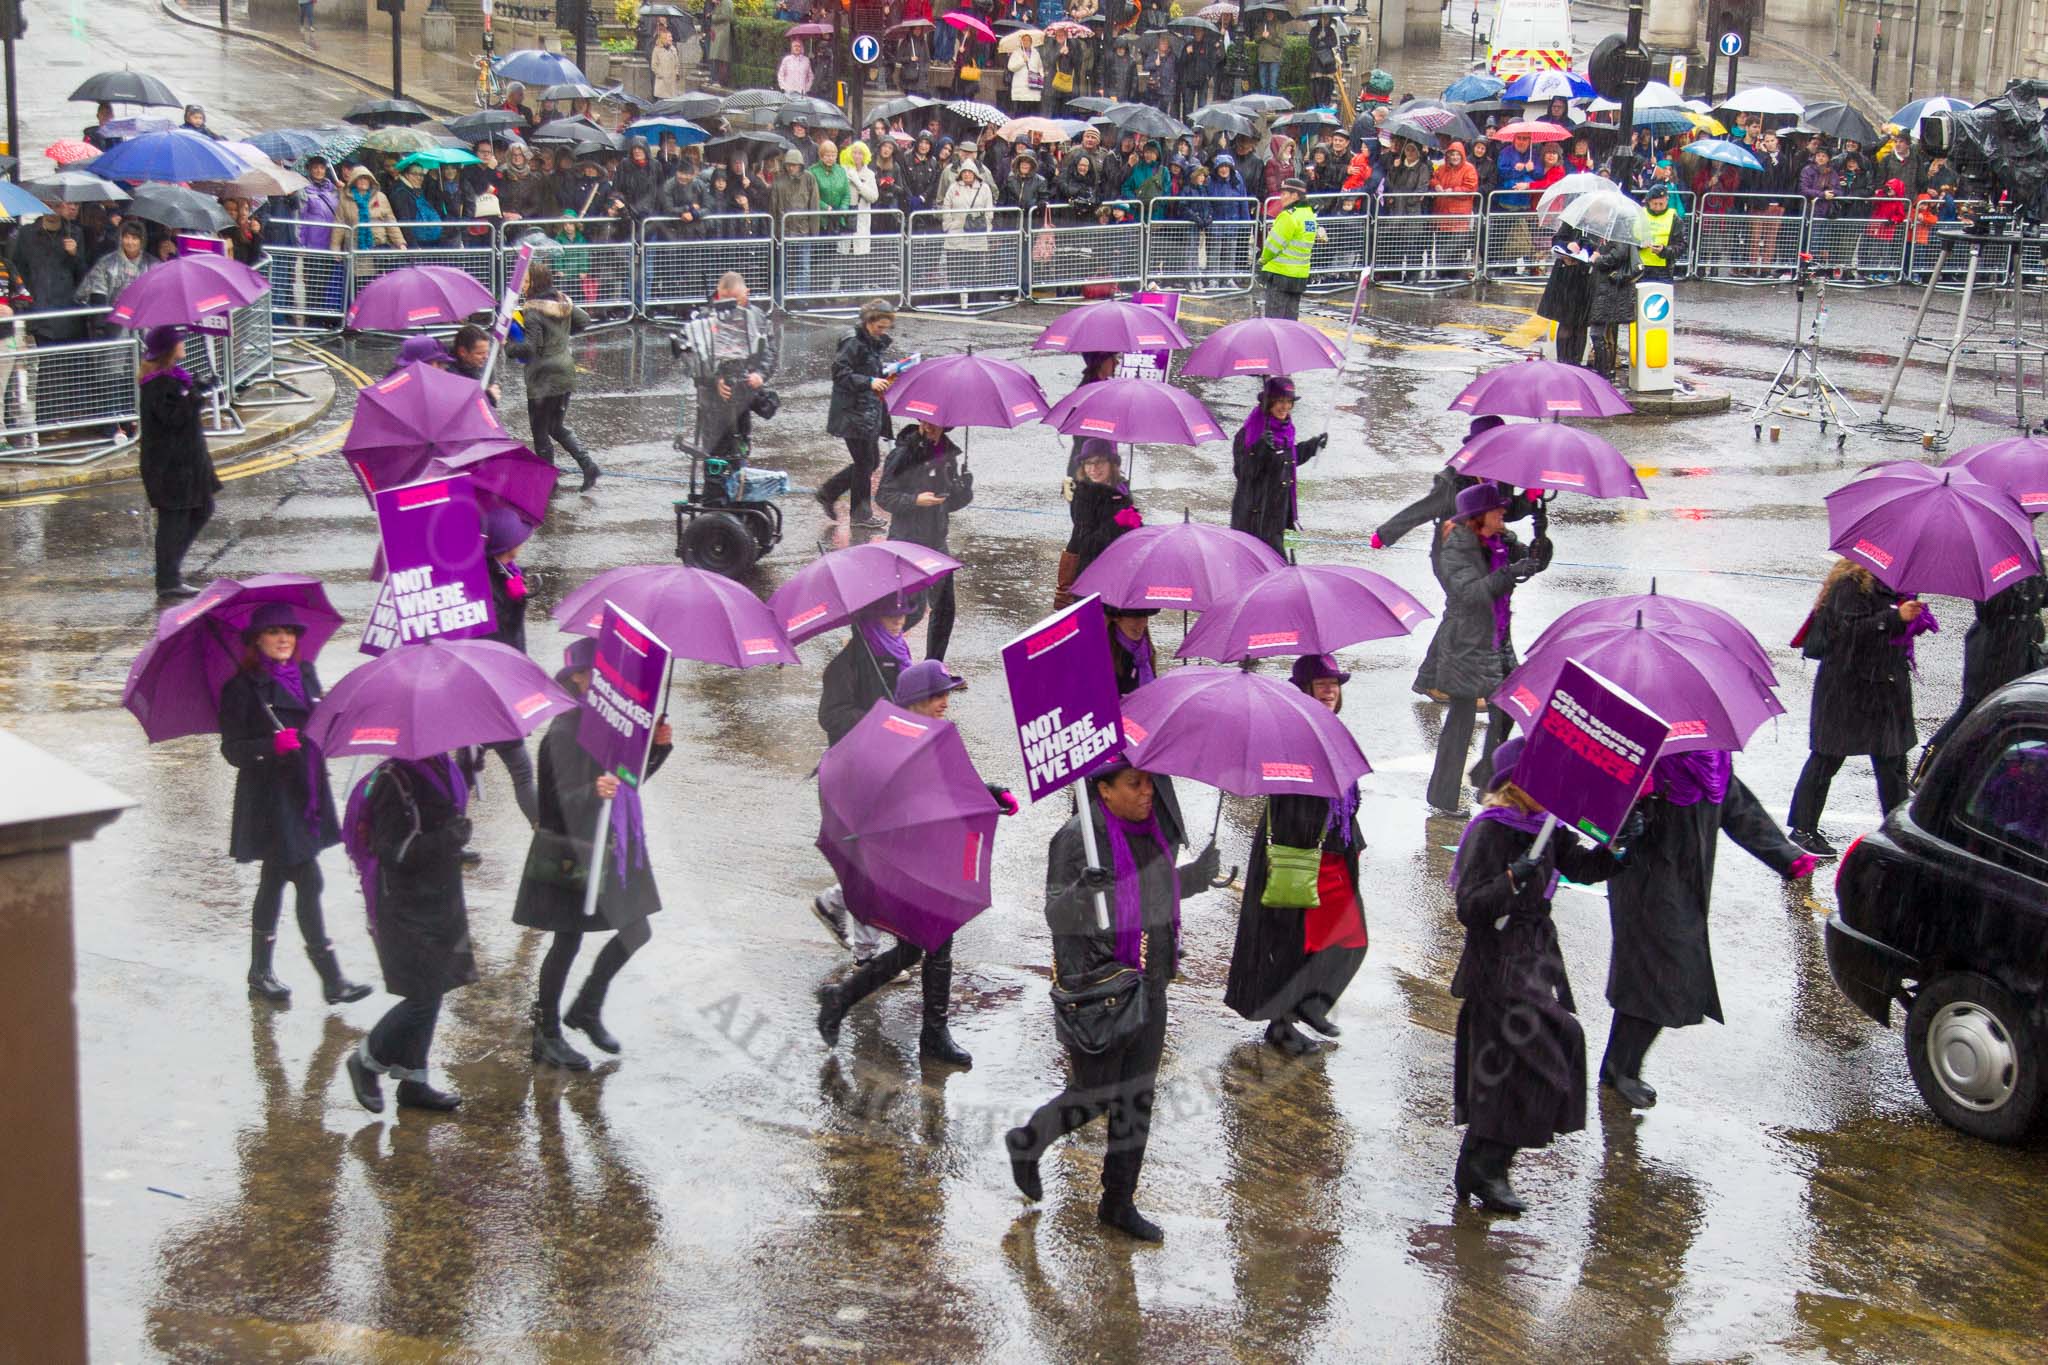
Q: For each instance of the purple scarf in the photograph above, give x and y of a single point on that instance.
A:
(883, 645)
(287, 676)
(1141, 659)
(1688, 779)
(1497, 558)
(1256, 428)
(1922, 624)
(177, 372)
(1341, 812)
(1130, 897)
(1526, 822)
(629, 832)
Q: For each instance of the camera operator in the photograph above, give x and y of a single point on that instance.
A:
(731, 352)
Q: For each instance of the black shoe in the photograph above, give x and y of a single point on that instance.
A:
(586, 1015)
(263, 982)
(1496, 1195)
(1316, 1017)
(472, 858)
(834, 920)
(1632, 1089)
(1024, 1169)
(868, 522)
(1814, 842)
(1290, 1039)
(1123, 1215)
(177, 594)
(830, 1014)
(827, 503)
(337, 989)
(420, 1095)
(369, 1090)
(549, 1047)
(590, 473)
(935, 1044)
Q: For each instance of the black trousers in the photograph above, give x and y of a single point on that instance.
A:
(304, 878)
(881, 969)
(398, 1043)
(561, 955)
(1604, 349)
(1810, 794)
(1571, 344)
(858, 478)
(1121, 1086)
(519, 767)
(1454, 745)
(549, 420)
(1628, 1042)
(176, 529)
(1282, 302)
(938, 599)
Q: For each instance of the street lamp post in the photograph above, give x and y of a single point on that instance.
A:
(10, 22)
(1475, 35)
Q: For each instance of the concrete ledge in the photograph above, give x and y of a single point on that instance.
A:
(1690, 399)
(438, 108)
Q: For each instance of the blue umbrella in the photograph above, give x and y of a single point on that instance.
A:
(534, 67)
(1547, 85)
(1909, 117)
(177, 154)
(1728, 153)
(685, 131)
(1663, 120)
(16, 202)
(286, 146)
(1474, 87)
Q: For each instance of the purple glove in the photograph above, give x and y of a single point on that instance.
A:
(515, 588)
(1130, 518)
(285, 742)
(1803, 867)
(1007, 802)
(1376, 542)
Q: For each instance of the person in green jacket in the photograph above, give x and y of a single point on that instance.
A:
(1284, 259)
(833, 190)
(1149, 178)
(548, 319)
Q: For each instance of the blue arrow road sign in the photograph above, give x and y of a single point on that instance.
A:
(1731, 45)
(866, 50)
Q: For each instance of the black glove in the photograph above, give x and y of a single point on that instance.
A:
(1197, 876)
(1522, 570)
(1098, 878)
(1632, 828)
(459, 829)
(1540, 550)
(1522, 872)
(1311, 447)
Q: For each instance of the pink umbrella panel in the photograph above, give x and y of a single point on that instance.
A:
(418, 296)
(967, 390)
(1310, 609)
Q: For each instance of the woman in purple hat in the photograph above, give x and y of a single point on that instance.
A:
(177, 471)
(1101, 507)
(1480, 565)
(1519, 1068)
(1291, 963)
(1266, 459)
(284, 809)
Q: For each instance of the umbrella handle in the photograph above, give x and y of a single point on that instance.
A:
(1219, 883)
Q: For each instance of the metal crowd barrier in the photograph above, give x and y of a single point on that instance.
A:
(1209, 260)
(1746, 242)
(825, 270)
(680, 266)
(1414, 247)
(63, 402)
(1066, 259)
(594, 261)
(965, 261)
(310, 285)
(1516, 245)
(1346, 245)
(1869, 250)
(1994, 262)
(448, 248)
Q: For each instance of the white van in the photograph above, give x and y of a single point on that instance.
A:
(1530, 35)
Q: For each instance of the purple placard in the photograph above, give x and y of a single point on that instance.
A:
(1063, 695)
(436, 584)
(192, 244)
(1589, 752)
(1151, 364)
(625, 687)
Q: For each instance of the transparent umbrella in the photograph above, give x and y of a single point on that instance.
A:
(1567, 190)
(1609, 214)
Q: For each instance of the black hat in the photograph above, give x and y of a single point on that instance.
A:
(1295, 183)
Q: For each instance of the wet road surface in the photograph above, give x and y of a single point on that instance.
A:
(729, 1188)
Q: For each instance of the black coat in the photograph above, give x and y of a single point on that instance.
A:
(52, 274)
(1079, 949)
(856, 412)
(915, 468)
(1662, 968)
(1614, 274)
(177, 470)
(1263, 504)
(511, 611)
(1467, 661)
(421, 926)
(569, 807)
(1093, 509)
(1440, 503)
(271, 789)
(1863, 690)
(1270, 970)
(1520, 1060)
(1568, 293)
(854, 681)
(2004, 642)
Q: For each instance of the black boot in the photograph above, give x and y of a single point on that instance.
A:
(1290, 1039)
(1024, 1163)
(935, 1044)
(369, 1090)
(1487, 1177)
(1628, 1043)
(338, 989)
(263, 982)
(583, 460)
(831, 1012)
(420, 1095)
(586, 1013)
(935, 1041)
(1119, 1212)
(1314, 1011)
(549, 1047)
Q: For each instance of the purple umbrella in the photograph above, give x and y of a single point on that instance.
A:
(829, 591)
(1679, 617)
(1924, 530)
(2018, 464)
(1549, 455)
(1541, 388)
(418, 296)
(502, 471)
(1240, 732)
(432, 697)
(703, 615)
(1182, 566)
(174, 684)
(1710, 696)
(191, 291)
(1112, 325)
(1314, 609)
(967, 391)
(1131, 410)
(1263, 346)
(906, 824)
(419, 412)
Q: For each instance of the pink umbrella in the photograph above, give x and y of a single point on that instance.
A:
(1922, 530)
(1541, 388)
(1534, 129)
(703, 615)
(418, 296)
(1131, 410)
(1311, 609)
(967, 23)
(1181, 566)
(2018, 464)
(967, 390)
(417, 412)
(433, 697)
(191, 291)
(1112, 325)
(1240, 732)
(1263, 346)
(808, 31)
(1677, 617)
(1549, 455)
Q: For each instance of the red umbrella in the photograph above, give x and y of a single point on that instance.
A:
(967, 23)
(66, 150)
(191, 291)
(1534, 129)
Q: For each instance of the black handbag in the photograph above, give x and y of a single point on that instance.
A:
(558, 860)
(1102, 1012)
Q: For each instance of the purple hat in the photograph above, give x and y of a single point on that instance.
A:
(1312, 668)
(1506, 759)
(1484, 423)
(272, 616)
(1279, 386)
(504, 529)
(422, 348)
(158, 341)
(923, 681)
(580, 655)
(1479, 499)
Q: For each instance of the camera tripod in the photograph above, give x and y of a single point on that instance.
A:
(1802, 389)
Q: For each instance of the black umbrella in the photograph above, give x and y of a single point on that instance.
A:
(8, 163)
(75, 187)
(1260, 104)
(485, 123)
(695, 108)
(1419, 134)
(572, 90)
(569, 130)
(752, 99)
(753, 144)
(810, 105)
(126, 87)
(901, 108)
(177, 208)
(1266, 8)
(1092, 104)
(386, 114)
(1324, 12)
(1145, 121)
(1221, 118)
(1307, 118)
(1839, 121)
(1199, 25)
(813, 118)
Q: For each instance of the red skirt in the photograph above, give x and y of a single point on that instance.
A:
(1337, 921)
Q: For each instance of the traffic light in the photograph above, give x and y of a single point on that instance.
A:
(393, 8)
(1617, 72)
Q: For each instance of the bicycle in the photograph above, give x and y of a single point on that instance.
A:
(490, 92)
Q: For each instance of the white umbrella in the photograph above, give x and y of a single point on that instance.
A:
(1568, 189)
(1762, 99)
(263, 179)
(1010, 41)
(1609, 214)
(1656, 95)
